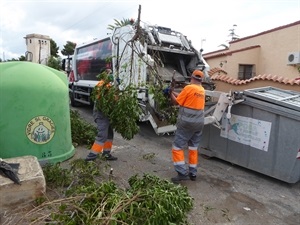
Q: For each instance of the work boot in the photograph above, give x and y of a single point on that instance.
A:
(91, 157)
(109, 157)
(179, 177)
(193, 177)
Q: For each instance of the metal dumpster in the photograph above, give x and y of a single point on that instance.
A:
(263, 134)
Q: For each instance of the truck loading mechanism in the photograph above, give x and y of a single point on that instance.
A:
(213, 113)
(149, 58)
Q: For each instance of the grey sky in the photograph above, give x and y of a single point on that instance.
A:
(81, 21)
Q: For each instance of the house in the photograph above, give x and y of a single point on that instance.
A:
(269, 58)
(38, 48)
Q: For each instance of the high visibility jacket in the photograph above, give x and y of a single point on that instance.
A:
(99, 84)
(192, 96)
(191, 100)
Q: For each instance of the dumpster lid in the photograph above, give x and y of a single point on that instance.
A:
(286, 98)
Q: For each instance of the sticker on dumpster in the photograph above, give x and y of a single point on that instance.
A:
(248, 131)
(40, 130)
(298, 154)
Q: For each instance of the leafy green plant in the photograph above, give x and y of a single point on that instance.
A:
(165, 110)
(120, 106)
(55, 176)
(82, 133)
(89, 199)
(149, 200)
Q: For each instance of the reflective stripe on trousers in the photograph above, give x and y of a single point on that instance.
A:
(189, 130)
(101, 147)
(105, 134)
(179, 162)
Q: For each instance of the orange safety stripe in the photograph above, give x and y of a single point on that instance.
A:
(192, 96)
(193, 156)
(177, 155)
(97, 148)
(107, 145)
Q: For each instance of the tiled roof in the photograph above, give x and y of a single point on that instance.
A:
(275, 78)
(216, 70)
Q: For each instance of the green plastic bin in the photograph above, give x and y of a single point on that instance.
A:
(34, 112)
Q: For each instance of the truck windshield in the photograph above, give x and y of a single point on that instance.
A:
(91, 60)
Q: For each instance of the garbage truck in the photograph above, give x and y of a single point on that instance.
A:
(139, 55)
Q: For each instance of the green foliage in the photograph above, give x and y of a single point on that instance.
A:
(22, 58)
(69, 48)
(150, 200)
(54, 63)
(164, 107)
(121, 107)
(55, 176)
(161, 202)
(84, 173)
(53, 48)
(82, 133)
(121, 23)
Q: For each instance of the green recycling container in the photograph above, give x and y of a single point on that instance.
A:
(34, 112)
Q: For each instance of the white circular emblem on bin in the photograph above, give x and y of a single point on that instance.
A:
(40, 129)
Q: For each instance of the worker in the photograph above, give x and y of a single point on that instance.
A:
(190, 122)
(105, 133)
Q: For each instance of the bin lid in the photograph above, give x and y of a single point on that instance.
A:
(286, 98)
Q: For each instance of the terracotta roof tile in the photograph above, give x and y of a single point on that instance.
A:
(216, 70)
(280, 79)
(275, 78)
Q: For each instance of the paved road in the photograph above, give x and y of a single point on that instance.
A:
(223, 193)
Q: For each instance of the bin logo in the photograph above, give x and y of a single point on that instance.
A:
(40, 130)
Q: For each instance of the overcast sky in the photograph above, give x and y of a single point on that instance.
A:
(205, 23)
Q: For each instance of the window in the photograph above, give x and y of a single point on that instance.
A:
(246, 72)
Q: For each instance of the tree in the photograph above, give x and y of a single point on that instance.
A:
(54, 62)
(22, 58)
(121, 23)
(53, 48)
(68, 49)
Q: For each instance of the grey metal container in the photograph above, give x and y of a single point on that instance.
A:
(262, 135)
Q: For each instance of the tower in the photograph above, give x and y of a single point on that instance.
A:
(38, 48)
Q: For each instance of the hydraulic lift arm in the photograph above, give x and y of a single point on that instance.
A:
(216, 111)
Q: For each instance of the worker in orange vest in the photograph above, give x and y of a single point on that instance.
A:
(105, 133)
(190, 122)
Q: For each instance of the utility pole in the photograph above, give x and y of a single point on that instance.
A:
(40, 51)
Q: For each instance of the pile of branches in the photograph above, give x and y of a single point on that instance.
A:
(120, 106)
(88, 199)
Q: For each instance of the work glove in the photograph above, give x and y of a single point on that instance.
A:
(167, 90)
